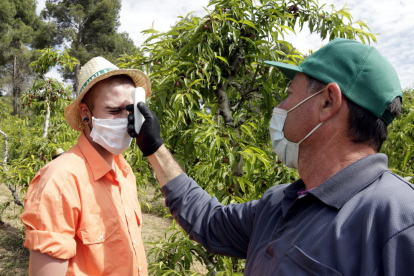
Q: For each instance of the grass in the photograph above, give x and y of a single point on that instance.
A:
(14, 258)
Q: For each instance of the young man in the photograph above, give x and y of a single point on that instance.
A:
(81, 213)
(348, 214)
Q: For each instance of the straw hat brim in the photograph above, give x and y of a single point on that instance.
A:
(72, 114)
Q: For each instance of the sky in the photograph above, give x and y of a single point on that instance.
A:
(391, 20)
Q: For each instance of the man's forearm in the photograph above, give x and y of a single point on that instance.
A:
(41, 264)
(164, 165)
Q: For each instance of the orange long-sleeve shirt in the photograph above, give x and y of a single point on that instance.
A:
(78, 208)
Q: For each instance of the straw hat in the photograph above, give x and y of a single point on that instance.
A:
(95, 70)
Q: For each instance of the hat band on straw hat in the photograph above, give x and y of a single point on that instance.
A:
(94, 71)
(97, 74)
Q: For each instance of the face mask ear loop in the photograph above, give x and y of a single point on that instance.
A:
(316, 93)
(90, 128)
(310, 132)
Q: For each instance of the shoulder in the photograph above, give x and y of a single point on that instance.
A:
(55, 176)
(388, 203)
(392, 189)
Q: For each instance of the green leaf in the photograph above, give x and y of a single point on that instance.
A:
(261, 41)
(249, 23)
(223, 59)
(195, 82)
(287, 28)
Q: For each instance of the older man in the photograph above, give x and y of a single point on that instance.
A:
(81, 213)
(348, 214)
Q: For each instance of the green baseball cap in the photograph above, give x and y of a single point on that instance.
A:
(363, 74)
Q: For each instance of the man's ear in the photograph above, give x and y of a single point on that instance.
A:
(331, 101)
(84, 111)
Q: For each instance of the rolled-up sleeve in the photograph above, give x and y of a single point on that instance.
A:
(220, 229)
(50, 219)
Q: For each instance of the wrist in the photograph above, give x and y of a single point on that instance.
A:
(148, 150)
(164, 164)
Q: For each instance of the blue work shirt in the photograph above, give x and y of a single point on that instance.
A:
(358, 222)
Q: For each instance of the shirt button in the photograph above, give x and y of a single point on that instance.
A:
(139, 269)
(101, 237)
(134, 241)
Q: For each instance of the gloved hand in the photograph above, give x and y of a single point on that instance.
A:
(148, 139)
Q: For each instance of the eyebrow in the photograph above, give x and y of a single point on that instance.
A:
(115, 108)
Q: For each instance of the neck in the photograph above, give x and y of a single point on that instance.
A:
(320, 160)
(106, 155)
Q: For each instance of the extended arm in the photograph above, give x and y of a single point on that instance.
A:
(151, 144)
(41, 264)
(220, 229)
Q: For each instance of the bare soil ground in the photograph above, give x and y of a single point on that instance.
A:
(14, 258)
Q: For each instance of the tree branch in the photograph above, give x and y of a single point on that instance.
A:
(223, 101)
(255, 76)
(6, 154)
(238, 168)
(224, 106)
(235, 106)
(211, 266)
(15, 196)
(238, 87)
(243, 92)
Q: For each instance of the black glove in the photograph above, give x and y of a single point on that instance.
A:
(148, 139)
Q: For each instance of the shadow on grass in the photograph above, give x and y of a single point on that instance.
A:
(14, 258)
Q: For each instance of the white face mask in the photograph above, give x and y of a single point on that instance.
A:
(287, 151)
(111, 134)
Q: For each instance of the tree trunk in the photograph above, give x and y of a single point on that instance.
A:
(47, 119)
(78, 44)
(238, 168)
(224, 103)
(224, 106)
(9, 185)
(223, 100)
(76, 84)
(17, 93)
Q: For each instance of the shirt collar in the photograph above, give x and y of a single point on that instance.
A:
(96, 162)
(342, 186)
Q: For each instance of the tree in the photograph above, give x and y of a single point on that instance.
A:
(46, 92)
(214, 98)
(29, 140)
(17, 25)
(400, 143)
(91, 28)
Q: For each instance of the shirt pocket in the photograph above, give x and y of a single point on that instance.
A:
(296, 262)
(104, 246)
